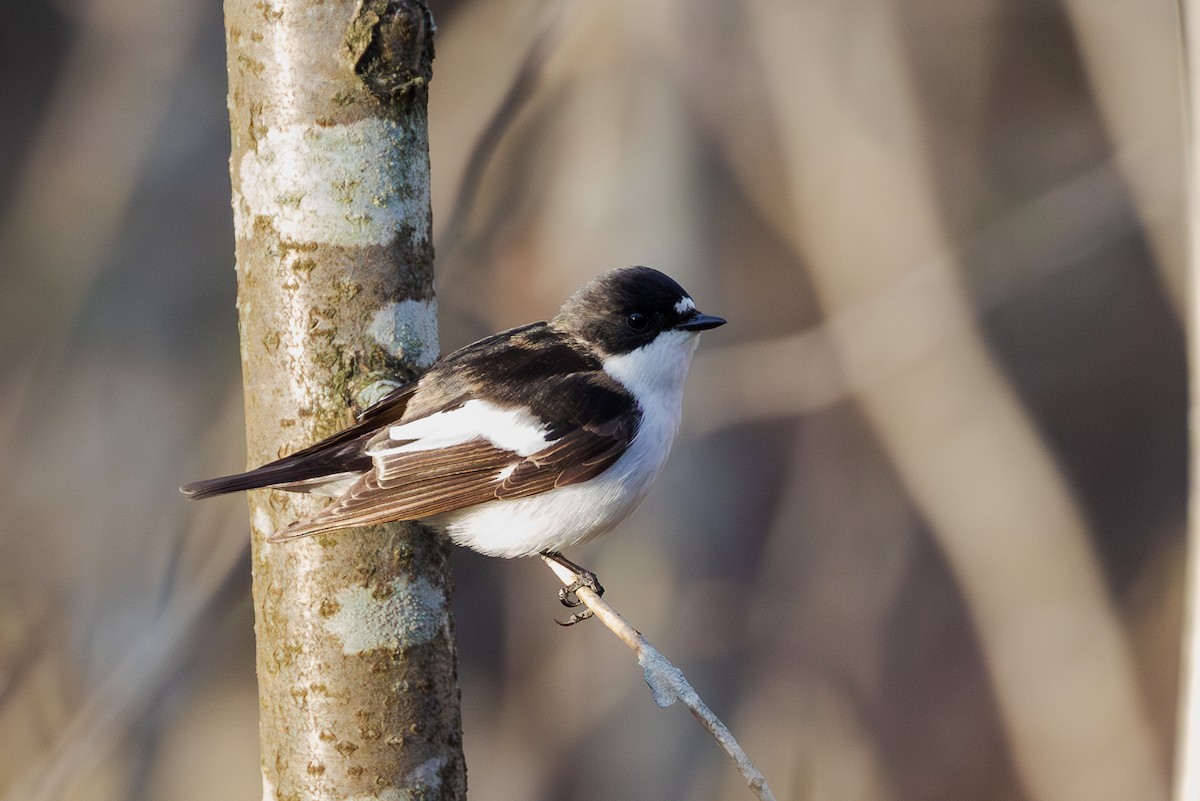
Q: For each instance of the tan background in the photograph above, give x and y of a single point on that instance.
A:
(921, 535)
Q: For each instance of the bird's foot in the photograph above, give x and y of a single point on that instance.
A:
(578, 617)
(584, 579)
(568, 598)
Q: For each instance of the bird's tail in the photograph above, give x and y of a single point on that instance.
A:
(299, 475)
(330, 460)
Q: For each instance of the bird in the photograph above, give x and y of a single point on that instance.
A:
(524, 443)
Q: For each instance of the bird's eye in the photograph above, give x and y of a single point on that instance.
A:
(637, 321)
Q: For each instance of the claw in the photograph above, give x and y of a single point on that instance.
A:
(578, 617)
(584, 579)
(567, 596)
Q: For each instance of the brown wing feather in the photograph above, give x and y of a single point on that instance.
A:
(419, 484)
(575, 458)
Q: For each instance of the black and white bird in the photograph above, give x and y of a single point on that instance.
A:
(523, 443)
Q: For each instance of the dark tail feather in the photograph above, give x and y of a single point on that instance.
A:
(328, 459)
(284, 474)
(251, 479)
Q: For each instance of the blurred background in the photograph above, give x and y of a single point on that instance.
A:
(921, 537)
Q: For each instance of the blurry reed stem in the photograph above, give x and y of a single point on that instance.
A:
(1187, 758)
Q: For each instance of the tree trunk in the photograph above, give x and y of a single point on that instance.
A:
(358, 690)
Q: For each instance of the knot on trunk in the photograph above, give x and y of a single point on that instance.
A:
(390, 45)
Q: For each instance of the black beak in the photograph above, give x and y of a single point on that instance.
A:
(700, 322)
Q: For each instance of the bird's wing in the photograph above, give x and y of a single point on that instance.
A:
(479, 452)
(532, 359)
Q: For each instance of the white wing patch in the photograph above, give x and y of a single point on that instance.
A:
(513, 430)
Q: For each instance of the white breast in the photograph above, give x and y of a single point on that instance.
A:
(570, 515)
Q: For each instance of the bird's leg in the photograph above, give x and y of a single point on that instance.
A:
(584, 579)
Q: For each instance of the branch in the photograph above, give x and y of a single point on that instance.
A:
(667, 683)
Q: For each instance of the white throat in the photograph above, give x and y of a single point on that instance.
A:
(655, 373)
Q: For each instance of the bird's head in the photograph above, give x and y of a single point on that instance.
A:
(629, 308)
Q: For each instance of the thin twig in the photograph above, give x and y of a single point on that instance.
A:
(667, 683)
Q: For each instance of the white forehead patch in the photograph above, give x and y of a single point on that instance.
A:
(685, 305)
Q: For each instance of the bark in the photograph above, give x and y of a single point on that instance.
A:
(356, 665)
